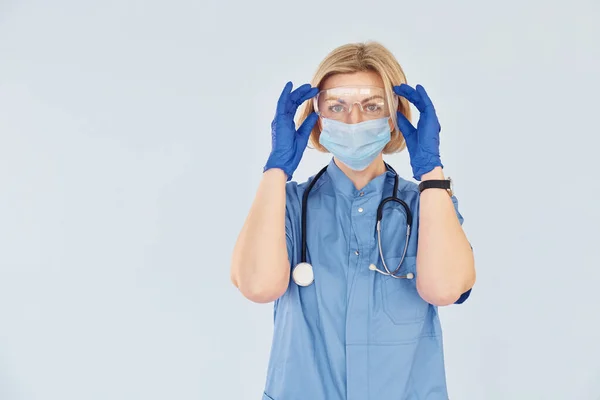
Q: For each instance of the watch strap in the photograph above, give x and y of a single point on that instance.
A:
(435, 184)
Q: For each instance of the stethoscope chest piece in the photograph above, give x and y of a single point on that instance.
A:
(303, 274)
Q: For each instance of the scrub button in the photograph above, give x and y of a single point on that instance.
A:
(360, 209)
(356, 252)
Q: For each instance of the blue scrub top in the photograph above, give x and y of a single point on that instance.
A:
(354, 334)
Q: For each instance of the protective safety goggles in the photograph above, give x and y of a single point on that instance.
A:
(337, 103)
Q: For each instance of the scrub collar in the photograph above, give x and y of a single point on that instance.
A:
(344, 185)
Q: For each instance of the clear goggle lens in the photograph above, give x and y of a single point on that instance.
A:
(337, 103)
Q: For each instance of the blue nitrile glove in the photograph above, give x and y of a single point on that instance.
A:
(287, 143)
(423, 142)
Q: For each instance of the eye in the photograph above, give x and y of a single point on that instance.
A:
(372, 108)
(336, 108)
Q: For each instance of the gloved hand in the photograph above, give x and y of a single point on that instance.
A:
(287, 143)
(423, 142)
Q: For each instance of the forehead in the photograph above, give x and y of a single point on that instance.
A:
(363, 78)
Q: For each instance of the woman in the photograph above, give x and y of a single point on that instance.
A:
(345, 328)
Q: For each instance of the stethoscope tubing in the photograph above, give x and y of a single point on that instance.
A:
(393, 198)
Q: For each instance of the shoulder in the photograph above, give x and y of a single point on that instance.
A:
(411, 189)
(408, 191)
(407, 186)
(295, 190)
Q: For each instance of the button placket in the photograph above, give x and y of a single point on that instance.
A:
(360, 203)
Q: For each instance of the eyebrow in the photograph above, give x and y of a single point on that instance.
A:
(336, 98)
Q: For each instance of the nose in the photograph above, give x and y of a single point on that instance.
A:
(355, 116)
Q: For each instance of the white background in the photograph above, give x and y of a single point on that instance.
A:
(132, 140)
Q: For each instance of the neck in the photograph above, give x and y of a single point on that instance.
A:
(360, 179)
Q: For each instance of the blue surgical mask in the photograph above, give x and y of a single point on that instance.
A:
(356, 145)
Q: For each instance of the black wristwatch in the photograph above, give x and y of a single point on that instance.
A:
(437, 184)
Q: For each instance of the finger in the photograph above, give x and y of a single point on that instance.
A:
(298, 97)
(299, 93)
(308, 125)
(404, 90)
(407, 129)
(424, 97)
(309, 95)
(284, 98)
(411, 95)
(404, 124)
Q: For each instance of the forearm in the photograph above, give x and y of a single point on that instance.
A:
(445, 263)
(260, 266)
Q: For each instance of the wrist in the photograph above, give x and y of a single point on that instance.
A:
(275, 163)
(435, 174)
(435, 179)
(276, 173)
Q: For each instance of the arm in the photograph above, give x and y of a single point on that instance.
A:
(445, 262)
(260, 268)
(445, 265)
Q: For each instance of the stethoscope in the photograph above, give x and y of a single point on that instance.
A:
(303, 273)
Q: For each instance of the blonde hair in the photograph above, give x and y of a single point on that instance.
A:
(359, 57)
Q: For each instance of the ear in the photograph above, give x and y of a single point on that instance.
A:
(319, 124)
(391, 124)
(392, 121)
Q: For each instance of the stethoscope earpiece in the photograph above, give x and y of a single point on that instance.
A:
(410, 275)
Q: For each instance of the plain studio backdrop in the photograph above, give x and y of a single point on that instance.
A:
(132, 140)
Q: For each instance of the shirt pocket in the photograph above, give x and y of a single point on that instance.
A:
(400, 300)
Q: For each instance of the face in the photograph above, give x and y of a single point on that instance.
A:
(376, 107)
